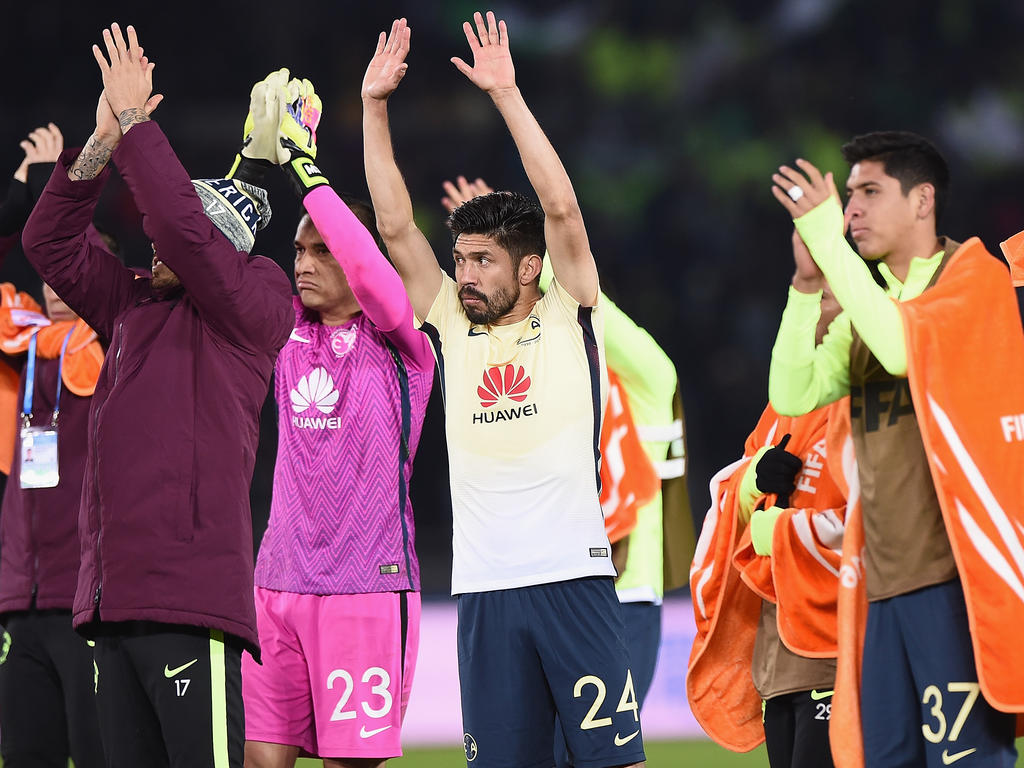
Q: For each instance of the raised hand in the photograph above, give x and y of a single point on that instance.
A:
(303, 109)
(259, 134)
(108, 128)
(127, 78)
(43, 145)
(492, 68)
(387, 67)
(462, 190)
(800, 192)
(808, 278)
(297, 138)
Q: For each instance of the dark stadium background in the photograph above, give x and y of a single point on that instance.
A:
(670, 117)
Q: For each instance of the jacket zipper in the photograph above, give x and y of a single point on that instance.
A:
(98, 594)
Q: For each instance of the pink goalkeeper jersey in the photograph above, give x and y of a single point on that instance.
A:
(351, 400)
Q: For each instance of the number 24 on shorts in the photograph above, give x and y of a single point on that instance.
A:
(627, 702)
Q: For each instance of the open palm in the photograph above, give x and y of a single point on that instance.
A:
(492, 68)
(387, 67)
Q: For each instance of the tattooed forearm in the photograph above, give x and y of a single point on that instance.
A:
(91, 160)
(130, 117)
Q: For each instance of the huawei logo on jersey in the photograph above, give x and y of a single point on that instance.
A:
(513, 384)
(509, 382)
(315, 390)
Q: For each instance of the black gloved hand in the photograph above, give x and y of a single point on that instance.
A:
(777, 470)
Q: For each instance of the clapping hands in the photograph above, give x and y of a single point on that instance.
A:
(127, 82)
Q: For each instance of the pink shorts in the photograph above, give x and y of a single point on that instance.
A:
(336, 673)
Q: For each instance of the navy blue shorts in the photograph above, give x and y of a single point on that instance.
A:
(642, 627)
(528, 654)
(643, 638)
(920, 701)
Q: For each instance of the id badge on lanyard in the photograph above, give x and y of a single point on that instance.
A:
(39, 463)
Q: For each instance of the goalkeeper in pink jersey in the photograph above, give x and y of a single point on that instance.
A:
(337, 580)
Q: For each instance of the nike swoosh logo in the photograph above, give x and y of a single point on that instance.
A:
(619, 741)
(168, 672)
(295, 337)
(948, 759)
(474, 332)
(365, 734)
(819, 695)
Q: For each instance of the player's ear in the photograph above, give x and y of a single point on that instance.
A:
(925, 198)
(529, 268)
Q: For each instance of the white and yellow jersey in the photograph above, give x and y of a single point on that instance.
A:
(523, 409)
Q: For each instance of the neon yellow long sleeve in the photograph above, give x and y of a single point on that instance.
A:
(803, 377)
(872, 312)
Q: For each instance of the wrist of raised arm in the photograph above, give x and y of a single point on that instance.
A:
(808, 285)
(130, 117)
(104, 139)
(504, 95)
(374, 106)
(802, 307)
(821, 226)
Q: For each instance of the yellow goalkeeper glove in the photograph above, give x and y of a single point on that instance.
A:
(297, 139)
(267, 104)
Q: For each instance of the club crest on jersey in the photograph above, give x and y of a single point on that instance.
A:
(532, 332)
(315, 391)
(504, 382)
(342, 341)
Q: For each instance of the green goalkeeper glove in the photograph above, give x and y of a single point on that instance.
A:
(297, 139)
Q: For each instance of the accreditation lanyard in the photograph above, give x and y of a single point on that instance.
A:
(39, 464)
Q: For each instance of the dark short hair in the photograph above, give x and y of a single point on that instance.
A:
(907, 157)
(514, 221)
(363, 211)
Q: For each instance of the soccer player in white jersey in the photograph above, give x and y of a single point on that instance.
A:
(523, 377)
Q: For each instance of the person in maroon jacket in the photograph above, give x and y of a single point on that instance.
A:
(47, 708)
(166, 581)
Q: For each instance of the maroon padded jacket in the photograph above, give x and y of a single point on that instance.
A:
(165, 526)
(39, 550)
(39, 547)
